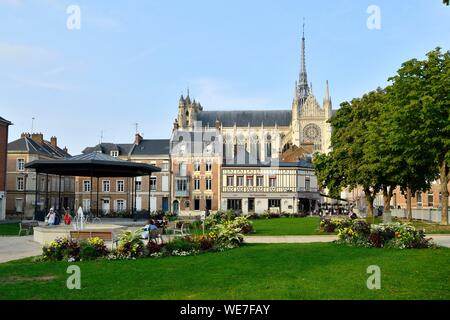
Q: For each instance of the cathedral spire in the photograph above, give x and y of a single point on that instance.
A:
(303, 87)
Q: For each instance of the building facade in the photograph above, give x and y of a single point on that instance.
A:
(431, 199)
(4, 124)
(23, 185)
(124, 195)
(256, 189)
(237, 137)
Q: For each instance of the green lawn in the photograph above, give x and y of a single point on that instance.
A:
(278, 271)
(9, 229)
(286, 226)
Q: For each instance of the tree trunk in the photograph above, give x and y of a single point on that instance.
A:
(444, 171)
(387, 196)
(370, 199)
(409, 203)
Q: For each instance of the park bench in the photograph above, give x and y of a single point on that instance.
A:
(86, 234)
(179, 228)
(27, 226)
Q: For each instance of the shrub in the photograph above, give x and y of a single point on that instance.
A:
(205, 242)
(228, 233)
(393, 235)
(92, 249)
(328, 225)
(130, 245)
(243, 224)
(153, 247)
(57, 250)
(185, 244)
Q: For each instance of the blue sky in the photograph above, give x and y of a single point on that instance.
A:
(131, 60)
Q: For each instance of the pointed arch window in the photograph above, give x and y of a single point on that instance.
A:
(268, 146)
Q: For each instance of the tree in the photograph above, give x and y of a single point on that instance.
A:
(353, 161)
(447, 2)
(418, 125)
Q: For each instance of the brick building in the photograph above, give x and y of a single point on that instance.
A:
(120, 195)
(52, 191)
(4, 124)
(427, 200)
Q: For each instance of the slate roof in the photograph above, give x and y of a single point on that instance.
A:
(106, 148)
(282, 118)
(148, 147)
(26, 144)
(152, 147)
(5, 122)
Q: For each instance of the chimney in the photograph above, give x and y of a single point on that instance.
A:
(24, 135)
(54, 141)
(38, 137)
(137, 139)
(66, 150)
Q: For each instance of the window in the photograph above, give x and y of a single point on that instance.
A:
(86, 186)
(165, 166)
(269, 147)
(138, 184)
(272, 182)
(240, 181)
(430, 200)
(165, 184)
(196, 204)
(208, 204)
(152, 184)
(120, 186)
(19, 205)
(208, 184)
(251, 204)
(20, 184)
(120, 205)
(274, 203)
(182, 169)
(230, 181)
(196, 184)
(106, 186)
(197, 166)
(181, 185)
(307, 184)
(249, 181)
(20, 164)
(419, 200)
(208, 166)
(259, 181)
(114, 154)
(234, 204)
(86, 205)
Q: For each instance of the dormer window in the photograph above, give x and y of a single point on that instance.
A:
(114, 154)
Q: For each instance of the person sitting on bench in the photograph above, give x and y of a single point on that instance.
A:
(148, 228)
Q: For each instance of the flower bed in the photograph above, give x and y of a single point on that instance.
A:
(223, 236)
(391, 235)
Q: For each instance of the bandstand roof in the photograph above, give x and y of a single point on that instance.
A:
(92, 165)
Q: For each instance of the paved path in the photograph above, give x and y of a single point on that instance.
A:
(14, 248)
(440, 239)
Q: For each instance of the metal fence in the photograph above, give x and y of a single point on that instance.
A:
(430, 215)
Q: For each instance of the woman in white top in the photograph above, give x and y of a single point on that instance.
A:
(51, 217)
